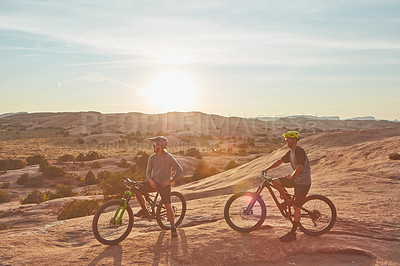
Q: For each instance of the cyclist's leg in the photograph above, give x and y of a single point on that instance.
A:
(280, 185)
(300, 193)
(139, 198)
(165, 193)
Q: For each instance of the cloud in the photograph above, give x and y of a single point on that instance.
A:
(149, 32)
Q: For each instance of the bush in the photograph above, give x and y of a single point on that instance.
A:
(35, 197)
(203, 170)
(64, 190)
(27, 181)
(77, 208)
(4, 196)
(35, 159)
(11, 164)
(124, 164)
(96, 165)
(43, 165)
(90, 156)
(113, 186)
(230, 165)
(67, 158)
(53, 172)
(23, 179)
(4, 227)
(5, 185)
(90, 179)
(103, 175)
(193, 152)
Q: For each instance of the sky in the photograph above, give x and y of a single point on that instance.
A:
(242, 58)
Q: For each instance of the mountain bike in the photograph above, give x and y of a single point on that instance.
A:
(246, 211)
(113, 221)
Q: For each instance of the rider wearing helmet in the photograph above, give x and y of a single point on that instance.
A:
(300, 179)
(158, 173)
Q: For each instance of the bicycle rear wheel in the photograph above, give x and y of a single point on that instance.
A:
(240, 217)
(178, 204)
(110, 226)
(318, 215)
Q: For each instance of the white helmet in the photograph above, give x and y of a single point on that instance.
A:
(163, 141)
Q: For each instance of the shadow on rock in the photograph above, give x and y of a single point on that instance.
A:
(168, 250)
(110, 256)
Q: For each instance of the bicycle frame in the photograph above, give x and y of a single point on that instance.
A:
(127, 196)
(267, 183)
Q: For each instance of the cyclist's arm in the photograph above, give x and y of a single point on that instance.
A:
(178, 169)
(296, 172)
(149, 168)
(274, 165)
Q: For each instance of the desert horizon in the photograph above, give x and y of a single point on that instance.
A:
(350, 160)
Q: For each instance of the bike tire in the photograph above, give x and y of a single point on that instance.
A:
(103, 225)
(318, 215)
(178, 204)
(237, 219)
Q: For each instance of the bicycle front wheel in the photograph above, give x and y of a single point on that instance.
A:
(111, 223)
(178, 205)
(318, 215)
(245, 212)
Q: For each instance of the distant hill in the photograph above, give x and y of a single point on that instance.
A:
(11, 114)
(186, 123)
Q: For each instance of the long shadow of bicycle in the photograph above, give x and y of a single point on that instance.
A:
(110, 256)
(166, 250)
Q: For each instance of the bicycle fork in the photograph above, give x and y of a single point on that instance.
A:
(121, 210)
(253, 200)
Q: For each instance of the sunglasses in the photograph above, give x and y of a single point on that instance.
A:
(156, 144)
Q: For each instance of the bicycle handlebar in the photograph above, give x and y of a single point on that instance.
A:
(265, 177)
(127, 180)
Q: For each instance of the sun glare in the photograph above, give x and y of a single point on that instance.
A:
(172, 90)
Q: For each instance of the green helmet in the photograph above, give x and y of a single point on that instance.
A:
(292, 135)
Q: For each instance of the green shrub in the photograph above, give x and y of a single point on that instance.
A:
(50, 195)
(53, 172)
(67, 158)
(203, 170)
(113, 185)
(35, 181)
(5, 185)
(124, 164)
(35, 159)
(90, 156)
(141, 163)
(4, 196)
(77, 208)
(64, 190)
(4, 227)
(90, 179)
(43, 165)
(35, 197)
(193, 152)
(11, 164)
(230, 165)
(103, 175)
(96, 165)
(23, 179)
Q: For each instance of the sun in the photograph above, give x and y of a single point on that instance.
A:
(171, 90)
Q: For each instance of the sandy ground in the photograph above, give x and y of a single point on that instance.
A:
(352, 169)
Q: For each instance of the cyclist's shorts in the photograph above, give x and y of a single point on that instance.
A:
(165, 192)
(300, 191)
